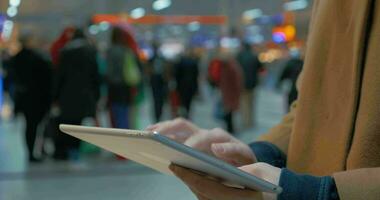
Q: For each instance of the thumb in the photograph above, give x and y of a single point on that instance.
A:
(235, 153)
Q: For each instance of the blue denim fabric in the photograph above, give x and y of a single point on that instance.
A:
(295, 186)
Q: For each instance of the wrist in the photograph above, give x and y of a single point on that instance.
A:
(268, 153)
(306, 187)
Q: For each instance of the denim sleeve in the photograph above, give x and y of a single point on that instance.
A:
(268, 153)
(305, 187)
(295, 186)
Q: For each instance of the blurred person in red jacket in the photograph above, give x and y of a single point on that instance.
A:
(230, 85)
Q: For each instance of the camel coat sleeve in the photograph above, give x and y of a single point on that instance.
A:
(280, 134)
(358, 184)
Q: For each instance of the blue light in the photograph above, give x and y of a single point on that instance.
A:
(278, 37)
(2, 21)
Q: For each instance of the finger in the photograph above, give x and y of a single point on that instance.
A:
(173, 127)
(211, 189)
(156, 126)
(198, 140)
(179, 136)
(152, 127)
(254, 169)
(263, 171)
(203, 139)
(178, 130)
(235, 152)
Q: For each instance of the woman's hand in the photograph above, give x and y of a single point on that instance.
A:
(206, 188)
(178, 129)
(216, 142)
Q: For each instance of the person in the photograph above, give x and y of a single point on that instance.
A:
(158, 71)
(291, 72)
(76, 90)
(30, 73)
(251, 67)
(230, 85)
(120, 94)
(327, 146)
(186, 75)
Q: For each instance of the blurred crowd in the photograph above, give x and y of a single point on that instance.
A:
(75, 80)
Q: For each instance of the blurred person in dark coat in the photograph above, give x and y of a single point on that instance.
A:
(158, 71)
(76, 90)
(186, 74)
(31, 76)
(251, 67)
(291, 72)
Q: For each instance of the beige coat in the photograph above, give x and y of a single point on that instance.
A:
(334, 128)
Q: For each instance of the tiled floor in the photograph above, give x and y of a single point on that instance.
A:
(102, 177)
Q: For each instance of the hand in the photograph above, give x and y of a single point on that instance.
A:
(222, 145)
(216, 142)
(178, 129)
(210, 189)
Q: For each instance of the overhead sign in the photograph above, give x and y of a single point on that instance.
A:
(159, 19)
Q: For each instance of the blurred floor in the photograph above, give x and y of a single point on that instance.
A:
(103, 177)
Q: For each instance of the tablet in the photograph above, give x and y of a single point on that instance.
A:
(158, 152)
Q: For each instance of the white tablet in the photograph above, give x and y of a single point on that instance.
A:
(158, 152)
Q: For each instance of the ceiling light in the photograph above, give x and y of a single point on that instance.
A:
(104, 25)
(295, 5)
(93, 29)
(137, 13)
(7, 29)
(229, 43)
(252, 14)
(12, 11)
(194, 26)
(161, 4)
(14, 3)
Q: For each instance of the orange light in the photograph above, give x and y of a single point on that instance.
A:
(290, 32)
(112, 19)
(278, 29)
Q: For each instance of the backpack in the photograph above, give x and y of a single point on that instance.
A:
(131, 71)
